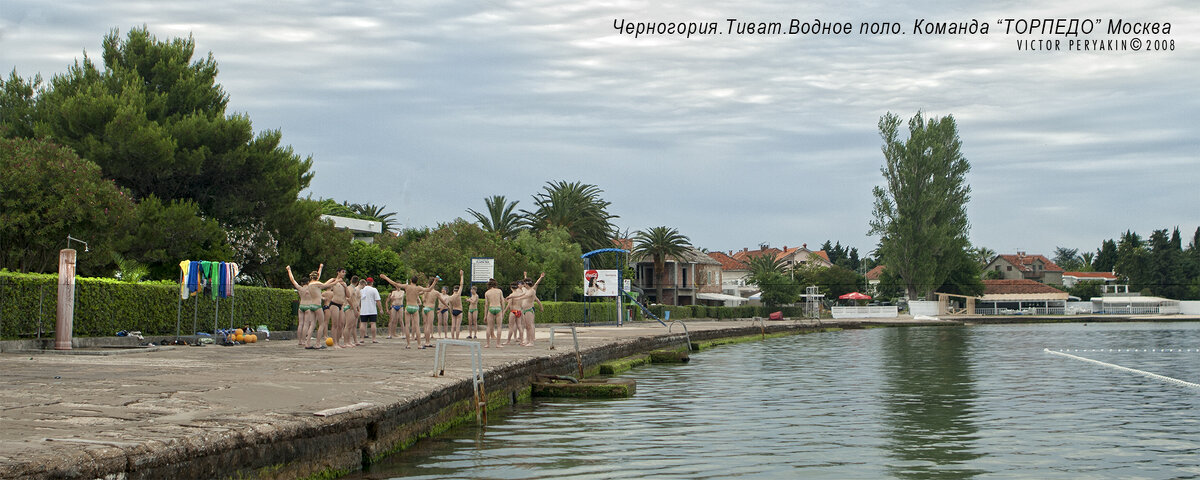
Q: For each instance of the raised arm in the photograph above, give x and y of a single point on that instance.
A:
(458, 291)
(393, 282)
(292, 278)
(333, 280)
(432, 284)
(539, 280)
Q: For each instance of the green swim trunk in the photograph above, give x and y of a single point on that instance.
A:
(427, 309)
(411, 309)
(528, 310)
(494, 310)
(309, 308)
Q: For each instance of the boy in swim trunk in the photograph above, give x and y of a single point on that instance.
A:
(412, 302)
(527, 313)
(443, 312)
(453, 301)
(350, 313)
(520, 304)
(310, 304)
(473, 313)
(494, 303)
(337, 307)
(395, 311)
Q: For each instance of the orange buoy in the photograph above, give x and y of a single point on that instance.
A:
(239, 332)
(329, 341)
(239, 338)
(252, 338)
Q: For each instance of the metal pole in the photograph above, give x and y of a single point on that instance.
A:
(41, 301)
(196, 315)
(178, 315)
(587, 265)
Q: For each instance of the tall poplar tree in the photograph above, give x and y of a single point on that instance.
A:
(920, 211)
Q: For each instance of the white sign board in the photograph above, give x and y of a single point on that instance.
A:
(600, 283)
(482, 269)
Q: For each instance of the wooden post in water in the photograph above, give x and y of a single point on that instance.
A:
(66, 299)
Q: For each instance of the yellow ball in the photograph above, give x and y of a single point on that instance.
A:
(252, 338)
(239, 332)
(239, 338)
(329, 341)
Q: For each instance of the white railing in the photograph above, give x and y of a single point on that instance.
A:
(1139, 309)
(866, 312)
(1023, 311)
(1070, 310)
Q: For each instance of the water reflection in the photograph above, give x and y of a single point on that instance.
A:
(929, 397)
(878, 403)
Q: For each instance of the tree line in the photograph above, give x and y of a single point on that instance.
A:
(1155, 265)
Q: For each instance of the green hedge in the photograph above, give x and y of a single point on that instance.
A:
(106, 306)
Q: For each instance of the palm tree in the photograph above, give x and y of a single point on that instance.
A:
(659, 243)
(765, 263)
(577, 208)
(983, 255)
(376, 213)
(1087, 257)
(500, 218)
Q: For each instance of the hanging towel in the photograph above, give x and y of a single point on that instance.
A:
(223, 288)
(233, 272)
(206, 274)
(183, 279)
(194, 276)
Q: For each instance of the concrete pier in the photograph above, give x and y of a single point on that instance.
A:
(248, 411)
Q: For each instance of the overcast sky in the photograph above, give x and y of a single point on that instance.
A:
(428, 107)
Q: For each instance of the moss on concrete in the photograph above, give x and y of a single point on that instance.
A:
(606, 388)
(623, 364)
(669, 356)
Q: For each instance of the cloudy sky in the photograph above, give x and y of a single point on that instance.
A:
(428, 107)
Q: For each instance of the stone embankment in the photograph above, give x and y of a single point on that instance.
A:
(248, 411)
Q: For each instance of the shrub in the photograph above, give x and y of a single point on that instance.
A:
(106, 306)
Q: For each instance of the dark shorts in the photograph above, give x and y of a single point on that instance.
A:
(367, 318)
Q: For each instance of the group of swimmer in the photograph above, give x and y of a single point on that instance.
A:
(336, 303)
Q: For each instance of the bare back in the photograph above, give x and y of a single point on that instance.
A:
(494, 297)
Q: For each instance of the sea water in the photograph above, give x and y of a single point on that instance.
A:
(927, 402)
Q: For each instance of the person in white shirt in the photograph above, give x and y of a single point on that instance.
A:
(370, 305)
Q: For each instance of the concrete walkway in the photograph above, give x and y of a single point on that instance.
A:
(62, 409)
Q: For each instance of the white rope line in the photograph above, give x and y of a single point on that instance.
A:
(1140, 350)
(1127, 369)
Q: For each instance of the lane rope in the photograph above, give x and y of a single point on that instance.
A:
(1129, 370)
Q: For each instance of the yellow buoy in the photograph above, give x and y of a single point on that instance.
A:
(239, 338)
(329, 341)
(252, 338)
(239, 332)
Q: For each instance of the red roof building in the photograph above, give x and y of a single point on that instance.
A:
(1029, 267)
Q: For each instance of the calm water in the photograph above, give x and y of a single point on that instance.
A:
(953, 402)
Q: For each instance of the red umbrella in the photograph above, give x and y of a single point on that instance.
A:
(855, 296)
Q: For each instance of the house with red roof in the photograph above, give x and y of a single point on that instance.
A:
(798, 257)
(873, 278)
(1029, 267)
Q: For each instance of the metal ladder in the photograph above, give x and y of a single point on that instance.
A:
(686, 335)
(575, 336)
(439, 370)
